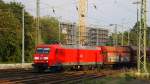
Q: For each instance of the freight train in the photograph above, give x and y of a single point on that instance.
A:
(58, 57)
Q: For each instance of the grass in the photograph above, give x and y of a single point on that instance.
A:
(116, 80)
(123, 78)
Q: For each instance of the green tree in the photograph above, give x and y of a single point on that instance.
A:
(29, 29)
(50, 30)
(134, 35)
(110, 42)
(11, 21)
(10, 50)
(125, 35)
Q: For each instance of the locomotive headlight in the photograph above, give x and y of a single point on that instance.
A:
(36, 58)
(45, 58)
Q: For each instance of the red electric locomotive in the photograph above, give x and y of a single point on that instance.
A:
(58, 56)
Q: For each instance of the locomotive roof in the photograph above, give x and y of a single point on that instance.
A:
(68, 46)
(47, 45)
(79, 47)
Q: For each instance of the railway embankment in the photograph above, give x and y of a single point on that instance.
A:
(16, 66)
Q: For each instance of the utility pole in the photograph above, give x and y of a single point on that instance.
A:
(122, 37)
(37, 21)
(23, 34)
(59, 23)
(115, 37)
(139, 37)
(142, 64)
(128, 37)
(97, 37)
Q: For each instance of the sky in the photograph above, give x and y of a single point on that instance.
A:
(121, 12)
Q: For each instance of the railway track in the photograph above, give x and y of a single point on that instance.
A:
(71, 77)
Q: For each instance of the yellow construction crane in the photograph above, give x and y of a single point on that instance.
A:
(82, 10)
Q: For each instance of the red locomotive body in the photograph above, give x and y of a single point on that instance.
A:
(48, 56)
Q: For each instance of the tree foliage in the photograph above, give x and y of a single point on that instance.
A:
(10, 36)
(134, 36)
(11, 32)
(50, 30)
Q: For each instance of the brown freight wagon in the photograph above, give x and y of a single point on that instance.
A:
(116, 54)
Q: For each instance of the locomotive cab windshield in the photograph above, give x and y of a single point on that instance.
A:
(41, 54)
(43, 50)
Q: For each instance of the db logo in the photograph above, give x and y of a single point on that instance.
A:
(81, 56)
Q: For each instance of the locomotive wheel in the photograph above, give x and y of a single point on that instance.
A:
(99, 67)
(39, 69)
(56, 69)
(85, 68)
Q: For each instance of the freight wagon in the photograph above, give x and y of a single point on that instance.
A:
(116, 54)
(134, 54)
